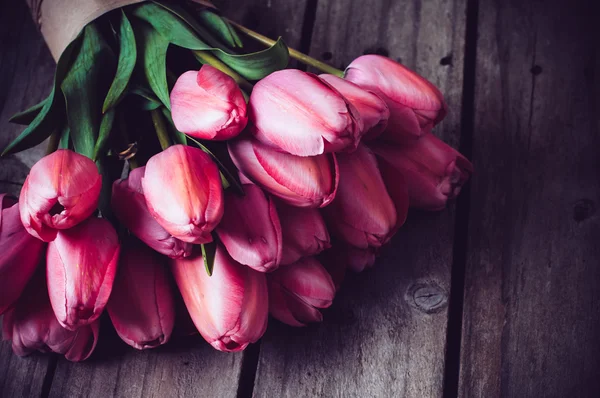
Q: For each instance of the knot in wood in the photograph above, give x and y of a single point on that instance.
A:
(583, 209)
(427, 297)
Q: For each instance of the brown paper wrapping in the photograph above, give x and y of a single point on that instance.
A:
(60, 21)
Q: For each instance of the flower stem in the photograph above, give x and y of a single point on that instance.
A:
(308, 60)
(207, 58)
(161, 129)
(53, 142)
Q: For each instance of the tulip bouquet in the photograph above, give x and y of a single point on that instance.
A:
(247, 188)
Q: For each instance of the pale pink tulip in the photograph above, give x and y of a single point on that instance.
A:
(81, 267)
(304, 232)
(229, 308)
(250, 229)
(362, 213)
(373, 111)
(208, 104)
(415, 104)
(141, 305)
(298, 290)
(434, 172)
(182, 187)
(301, 114)
(129, 205)
(299, 181)
(20, 253)
(61, 190)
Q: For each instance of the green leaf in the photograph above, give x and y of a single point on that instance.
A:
(64, 138)
(127, 58)
(255, 66)
(105, 130)
(208, 255)
(27, 116)
(147, 100)
(220, 27)
(50, 116)
(153, 50)
(81, 88)
(177, 136)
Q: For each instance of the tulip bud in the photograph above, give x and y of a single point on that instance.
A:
(208, 105)
(141, 305)
(20, 253)
(182, 187)
(32, 326)
(304, 232)
(372, 109)
(362, 213)
(250, 229)
(434, 172)
(129, 205)
(298, 181)
(61, 190)
(415, 104)
(81, 267)
(297, 290)
(229, 308)
(301, 114)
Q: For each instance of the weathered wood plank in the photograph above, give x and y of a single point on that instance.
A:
(531, 321)
(376, 340)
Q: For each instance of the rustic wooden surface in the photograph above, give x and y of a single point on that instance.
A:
(523, 241)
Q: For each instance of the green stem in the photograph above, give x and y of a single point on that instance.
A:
(161, 129)
(53, 142)
(308, 60)
(207, 58)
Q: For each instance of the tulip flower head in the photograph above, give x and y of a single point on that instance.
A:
(208, 104)
(416, 105)
(183, 191)
(301, 114)
(299, 181)
(61, 190)
(20, 253)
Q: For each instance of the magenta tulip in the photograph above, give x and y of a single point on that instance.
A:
(20, 253)
(373, 111)
(61, 190)
(301, 114)
(141, 305)
(32, 326)
(304, 232)
(182, 187)
(362, 213)
(434, 172)
(415, 104)
(229, 308)
(250, 229)
(81, 267)
(297, 291)
(129, 205)
(299, 181)
(208, 104)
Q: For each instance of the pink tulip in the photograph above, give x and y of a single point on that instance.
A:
(415, 104)
(362, 213)
(129, 205)
(372, 109)
(298, 181)
(229, 308)
(208, 105)
(20, 253)
(183, 191)
(61, 190)
(434, 172)
(335, 265)
(304, 232)
(302, 114)
(81, 267)
(32, 326)
(298, 290)
(141, 305)
(250, 229)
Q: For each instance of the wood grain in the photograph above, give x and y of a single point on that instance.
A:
(379, 338)
(531, 322)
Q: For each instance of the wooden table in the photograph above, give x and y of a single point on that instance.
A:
(499, 295)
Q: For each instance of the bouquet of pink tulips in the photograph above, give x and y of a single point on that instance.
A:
(252, 186)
